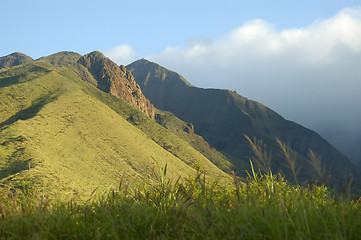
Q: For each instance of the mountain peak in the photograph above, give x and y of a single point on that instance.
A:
(116, 80)
(18, 54)
(162, 73)
(14, 59)
(96, 54)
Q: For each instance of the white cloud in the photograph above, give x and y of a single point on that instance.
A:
(122, 54)
(311, 75)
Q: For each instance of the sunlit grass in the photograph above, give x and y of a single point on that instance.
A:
(188, 208)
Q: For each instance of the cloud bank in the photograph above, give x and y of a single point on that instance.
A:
(311, 75)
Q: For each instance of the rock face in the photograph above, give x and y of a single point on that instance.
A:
(222, 117)
(14, 59)
(117, 81)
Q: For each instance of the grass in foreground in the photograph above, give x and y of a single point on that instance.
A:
(262, 207)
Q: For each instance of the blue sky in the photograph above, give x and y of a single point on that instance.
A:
(301, 58)
(41, 27)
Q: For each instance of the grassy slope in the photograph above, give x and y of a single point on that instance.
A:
(163, 137)
(51, 120)
(180, 148)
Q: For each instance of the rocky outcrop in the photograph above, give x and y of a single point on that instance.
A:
(189, 128)
(117, 81)
(14, 59)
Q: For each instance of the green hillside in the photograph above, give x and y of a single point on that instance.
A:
(223, 118)
(60, 133)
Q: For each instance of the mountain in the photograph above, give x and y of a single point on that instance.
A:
(223, 118)
(117, 81)
(64, 128)
(14, 59)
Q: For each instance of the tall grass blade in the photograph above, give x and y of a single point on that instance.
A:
(261, 156)
(290, 157)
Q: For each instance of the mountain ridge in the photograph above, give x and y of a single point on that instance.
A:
(222, 117)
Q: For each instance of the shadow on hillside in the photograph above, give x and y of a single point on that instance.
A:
(31, 111)
(15, 164)
(9, 81)
(30, 74)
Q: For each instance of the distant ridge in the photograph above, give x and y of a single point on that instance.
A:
(14, 59)
(222, 117)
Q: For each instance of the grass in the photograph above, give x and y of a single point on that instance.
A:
(189, 208)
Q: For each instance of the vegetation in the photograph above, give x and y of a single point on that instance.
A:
(261, 207)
